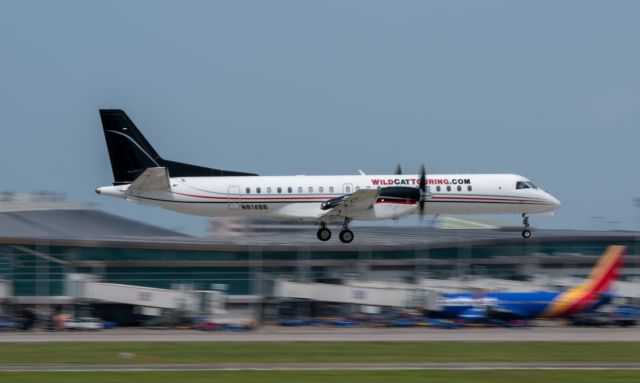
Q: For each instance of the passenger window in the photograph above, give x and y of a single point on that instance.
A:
(459, 188)
(321, 189)
(279, 189)
(269, 189)
(522, 185)
(469, 187)
(310, 189)
(248, 190)
(438, 188)
(289, 189)
(300, 189)
(258, 190)
(448, 188)
(331, 189)
(357, 188)
(348, 189)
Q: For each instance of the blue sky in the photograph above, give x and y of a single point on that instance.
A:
(547, 89)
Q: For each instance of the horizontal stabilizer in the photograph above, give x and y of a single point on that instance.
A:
(152, 179)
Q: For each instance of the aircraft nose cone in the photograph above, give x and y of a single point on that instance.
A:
(554, 201)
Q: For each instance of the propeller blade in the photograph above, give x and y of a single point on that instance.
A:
(422, 183)
(398, 169)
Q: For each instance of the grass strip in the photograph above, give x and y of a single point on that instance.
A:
(520, 376)
(313, 352)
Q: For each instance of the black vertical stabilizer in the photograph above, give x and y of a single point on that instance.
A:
(131, 153)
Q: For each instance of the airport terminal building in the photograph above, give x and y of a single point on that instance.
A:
(56, 253)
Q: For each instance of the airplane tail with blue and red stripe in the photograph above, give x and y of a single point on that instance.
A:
(589, 293)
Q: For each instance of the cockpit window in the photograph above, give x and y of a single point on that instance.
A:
(522, 185)
(531, 185)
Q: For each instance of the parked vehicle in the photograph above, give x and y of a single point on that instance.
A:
(170, 319)
(7, 323)
(626, 315)
(84, 324)
(623, 315)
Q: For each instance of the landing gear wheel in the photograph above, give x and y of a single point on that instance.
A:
(346, 236)
(526, 234)
(324, 234)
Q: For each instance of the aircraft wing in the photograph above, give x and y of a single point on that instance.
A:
(342, 206)
(474, 314)
(500, 312)
(152, 179)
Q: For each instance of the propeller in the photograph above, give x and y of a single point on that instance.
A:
(398, 169)
(422, 185)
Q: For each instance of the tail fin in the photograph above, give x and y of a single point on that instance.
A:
(130, 153)
(606, 271)
(587, 294)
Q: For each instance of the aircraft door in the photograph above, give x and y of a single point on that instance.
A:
(233, 197)
(347, 188)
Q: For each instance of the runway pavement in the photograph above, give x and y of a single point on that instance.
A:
(324, 334)
(323, 366)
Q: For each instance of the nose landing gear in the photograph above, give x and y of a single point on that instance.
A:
(526, 233)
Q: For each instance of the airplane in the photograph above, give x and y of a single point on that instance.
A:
(141, 175)
(482, 307)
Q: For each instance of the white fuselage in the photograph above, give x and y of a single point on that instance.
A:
(300, 197)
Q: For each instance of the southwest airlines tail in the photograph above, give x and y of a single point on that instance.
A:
(590, 292)
(130, 153)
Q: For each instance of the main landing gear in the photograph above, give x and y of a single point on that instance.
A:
(346, 235)
(526, 233)
(324, 234)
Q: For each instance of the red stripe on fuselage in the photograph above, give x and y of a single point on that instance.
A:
(487, 199)
(397, 202)
(324, 198)
(254, 198)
